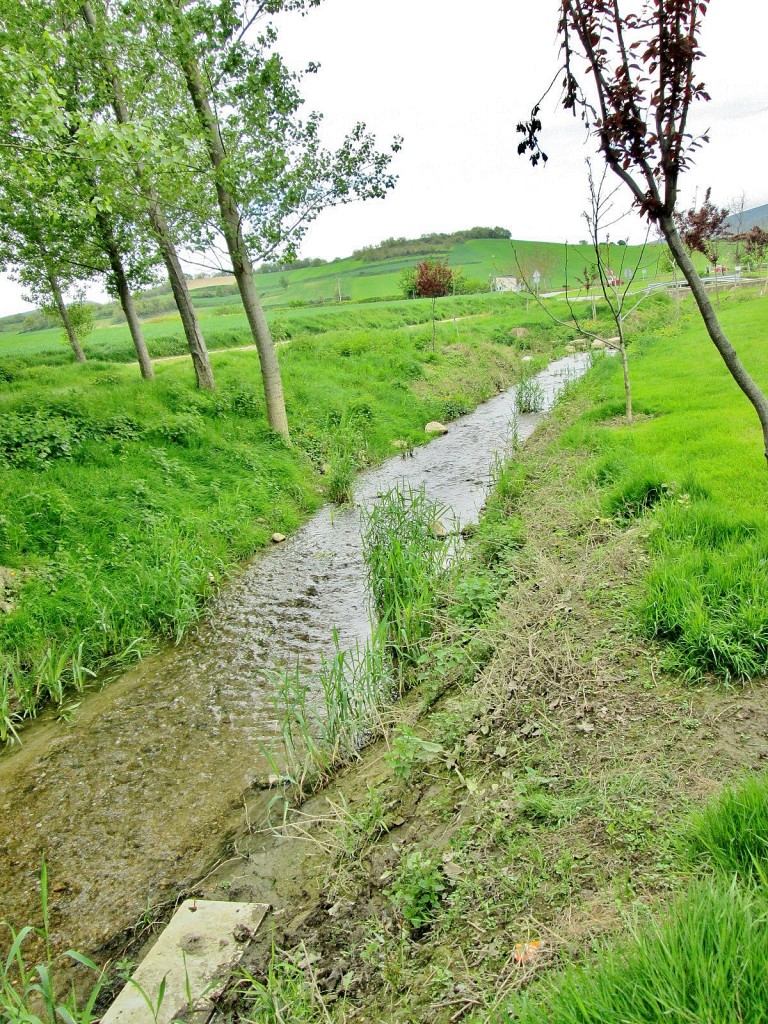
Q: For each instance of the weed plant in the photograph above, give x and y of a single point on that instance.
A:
(529, 396)
(325, 718)
(408, 565)
(28, 994)
(417, 889)
(283, 994)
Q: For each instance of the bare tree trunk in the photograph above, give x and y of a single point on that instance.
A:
(238, 252)
(194, 336)
(714, 330)
(625, 371)
(61, 306)
(126, 299)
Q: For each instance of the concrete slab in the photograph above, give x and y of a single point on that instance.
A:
(196, 955)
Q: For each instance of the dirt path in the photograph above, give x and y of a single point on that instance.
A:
(211, 352)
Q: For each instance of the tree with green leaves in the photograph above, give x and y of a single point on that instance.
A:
(35, 196)
(271, 175)
(107, 42)
(60, 224)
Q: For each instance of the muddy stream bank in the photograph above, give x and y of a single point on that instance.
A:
(132, 798)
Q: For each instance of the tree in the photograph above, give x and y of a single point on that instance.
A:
(34, 186)
(104, 45)
(432, 279)
(636, 99)
(271, 176)
(610, 272)
(588, 278)
(407, 282)
(703, 230)
(756, 248)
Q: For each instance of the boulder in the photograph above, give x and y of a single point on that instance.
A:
(278, 538)
(597, 344)
(580, 342)
(433, 427)
(438, 530)
(570, 349)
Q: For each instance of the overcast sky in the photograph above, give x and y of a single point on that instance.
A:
(454, 78)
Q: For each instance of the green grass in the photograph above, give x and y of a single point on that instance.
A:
(705, 960)
(694, 463)
(731, 832)
(224, 324)
(126, 504)
(408, 562)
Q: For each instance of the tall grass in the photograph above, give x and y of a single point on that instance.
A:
(324, 718)
(408, 563)
(705, 961)
(731, 832)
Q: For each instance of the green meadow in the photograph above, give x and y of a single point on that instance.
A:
(291, 297)
(695, 457)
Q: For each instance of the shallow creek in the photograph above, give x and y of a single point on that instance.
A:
(133, 797)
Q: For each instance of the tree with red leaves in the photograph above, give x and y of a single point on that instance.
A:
(641, 82)
(432, 280)
(703, 229)
(756, 248)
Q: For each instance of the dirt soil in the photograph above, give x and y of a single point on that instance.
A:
(547, 786)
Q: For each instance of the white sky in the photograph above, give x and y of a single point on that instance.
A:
(454, 79)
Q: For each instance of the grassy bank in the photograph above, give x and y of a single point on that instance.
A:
(542, 800)
(125, 505)
(226, 327)
(696, 458)
(539, 832)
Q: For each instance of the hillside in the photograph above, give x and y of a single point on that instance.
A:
(362, 277)
(754, 218)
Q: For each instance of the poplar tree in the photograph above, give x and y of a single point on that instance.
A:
(271, 175)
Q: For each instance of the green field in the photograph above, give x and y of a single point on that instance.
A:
(224, 324)
(292, 298)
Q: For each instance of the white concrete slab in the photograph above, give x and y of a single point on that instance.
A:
(196, 955)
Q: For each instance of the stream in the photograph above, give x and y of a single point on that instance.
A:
(133, 796)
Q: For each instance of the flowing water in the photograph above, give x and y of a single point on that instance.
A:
(133, 796)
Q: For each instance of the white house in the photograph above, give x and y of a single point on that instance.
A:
(505, 284)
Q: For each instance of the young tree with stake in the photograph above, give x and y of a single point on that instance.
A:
(432, 280)
(641, 63)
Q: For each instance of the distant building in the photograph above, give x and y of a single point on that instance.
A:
(505, 284)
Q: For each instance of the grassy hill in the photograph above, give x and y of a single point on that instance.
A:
(289, 296)
(755, 218)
